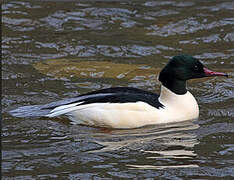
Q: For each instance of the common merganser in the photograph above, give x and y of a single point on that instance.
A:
(127, 107)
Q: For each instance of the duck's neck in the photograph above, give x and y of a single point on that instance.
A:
(168, 80)
(176, 86)
(182, 107)
(166, 95)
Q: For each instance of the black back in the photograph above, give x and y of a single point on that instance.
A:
(122, 95)
(112, 95)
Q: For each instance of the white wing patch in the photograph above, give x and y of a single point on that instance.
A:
(63, 109)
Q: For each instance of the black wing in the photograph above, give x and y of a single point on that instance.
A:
(120, 95)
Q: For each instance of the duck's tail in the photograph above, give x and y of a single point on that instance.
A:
(30, 111)
(49, 110)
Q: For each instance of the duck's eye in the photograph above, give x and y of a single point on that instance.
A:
(196, 68)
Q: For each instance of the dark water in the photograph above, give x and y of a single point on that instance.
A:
(52, 51)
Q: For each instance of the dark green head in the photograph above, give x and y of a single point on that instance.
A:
(182, 68)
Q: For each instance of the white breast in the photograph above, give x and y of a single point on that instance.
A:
(178, 107)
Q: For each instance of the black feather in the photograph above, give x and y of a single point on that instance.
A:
(121, 95)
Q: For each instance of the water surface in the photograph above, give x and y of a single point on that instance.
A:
(52, 51)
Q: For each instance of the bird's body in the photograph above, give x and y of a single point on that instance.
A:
(126, 113)
(125, 107)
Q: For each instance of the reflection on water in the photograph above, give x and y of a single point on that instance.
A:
(57, 51)
(160, 167)
(177, 139)
(163, 135)
(167, 142)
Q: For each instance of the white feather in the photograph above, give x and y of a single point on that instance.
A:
(63, 109)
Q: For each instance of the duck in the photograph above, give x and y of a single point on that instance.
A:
(128, 107)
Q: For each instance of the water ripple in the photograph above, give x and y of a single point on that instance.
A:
(106, 44)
